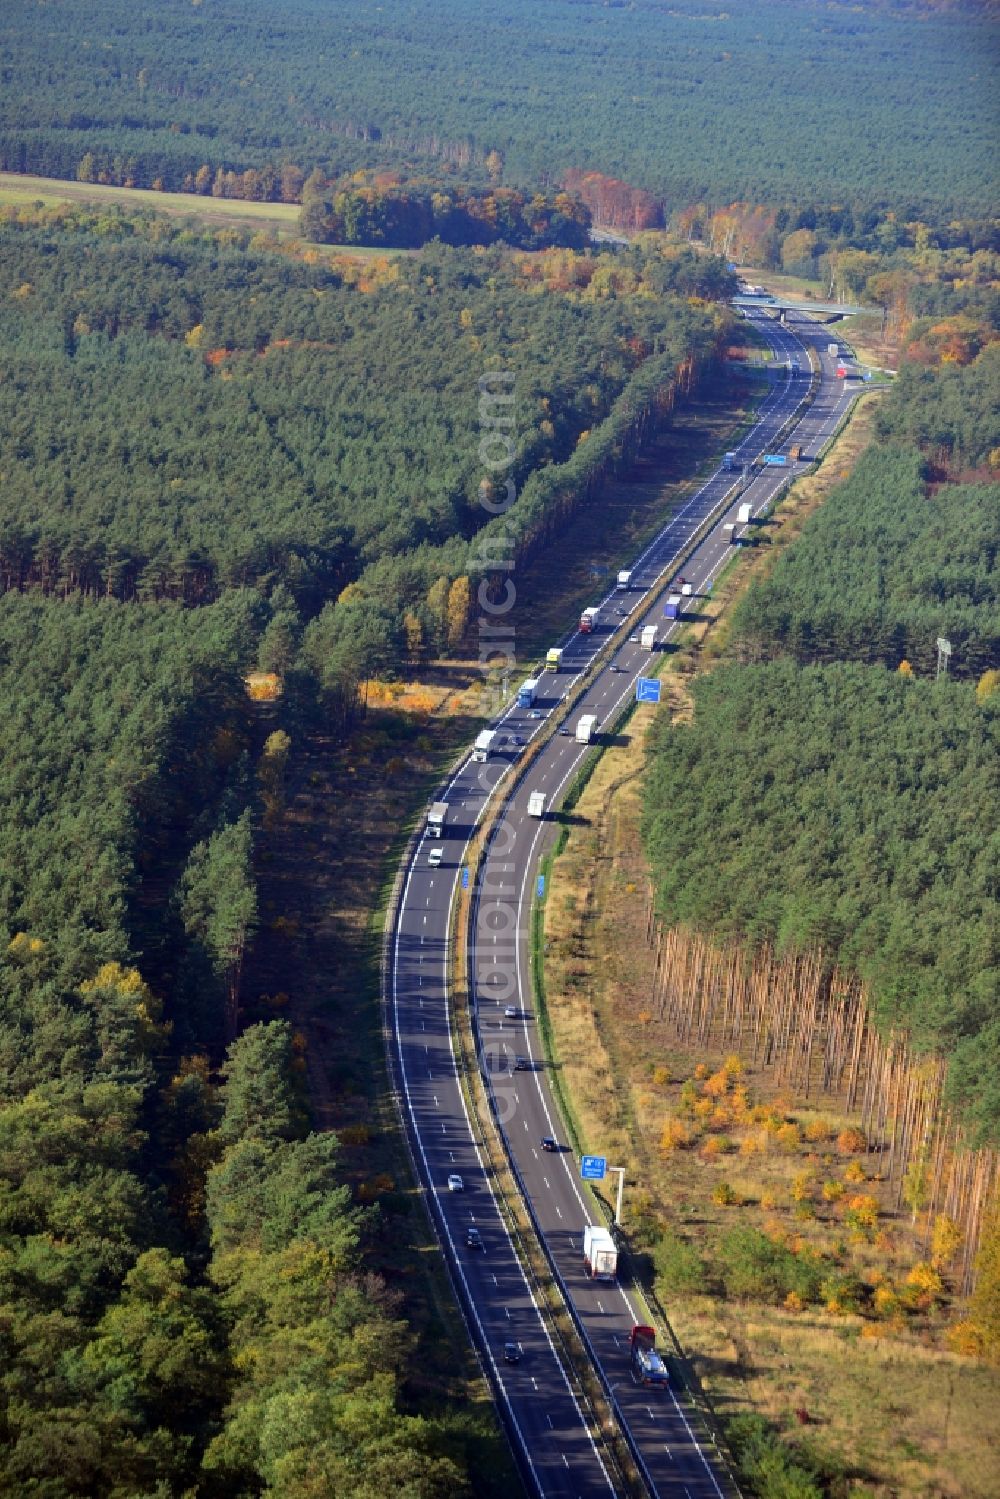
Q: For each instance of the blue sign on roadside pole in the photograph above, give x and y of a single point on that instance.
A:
(593, 1168)
(465, 879)
(647, 690)
(541, 886)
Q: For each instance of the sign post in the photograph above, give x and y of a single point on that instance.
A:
(621, 1186)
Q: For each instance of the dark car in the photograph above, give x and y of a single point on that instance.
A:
(512, 1353)
(549, 1144)
(521, 1064)
(473, 1238)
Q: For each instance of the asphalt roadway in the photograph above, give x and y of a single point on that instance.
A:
(549, 1434)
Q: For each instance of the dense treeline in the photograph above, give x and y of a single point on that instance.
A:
(349, 213)
(952, 413)
(885, 567)
(894, 103)
(848, 809)
(184, 1297)
(101, 709)
(820, 805)
(182, 415)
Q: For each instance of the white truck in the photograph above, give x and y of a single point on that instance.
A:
(743, 515)
(648, 637)
(553, 657)
(436, 819)
(536, 804)
(600, 1253)
(484, 743)
(585, 728)
(625, 578)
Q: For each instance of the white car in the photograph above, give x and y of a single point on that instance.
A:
(511, 1012)
(455, 1183)
(435, 856)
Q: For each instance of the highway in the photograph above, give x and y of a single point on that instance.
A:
(548, 1430)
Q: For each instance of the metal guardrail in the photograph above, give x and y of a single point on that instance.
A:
(490, 814)
(507, 787)
(432, 1206)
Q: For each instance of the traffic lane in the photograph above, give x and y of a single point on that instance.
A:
(467, 1207)
(428, 900)
(655, 1416)
(656, 1420)
(543, 1187)
(596, 642)
(561, 1449)
(657, 1423)
(663, 1436)
(560, 1446)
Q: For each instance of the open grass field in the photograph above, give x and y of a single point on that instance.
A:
(277, 219)
(904, 1414)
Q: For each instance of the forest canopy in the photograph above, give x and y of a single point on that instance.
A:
(849, 809)
(759, 100)
(885, 567)
(837, 797)
(184, 414)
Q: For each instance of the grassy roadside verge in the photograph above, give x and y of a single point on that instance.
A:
(888, 1411)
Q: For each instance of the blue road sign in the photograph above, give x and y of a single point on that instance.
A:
(541, 886)
(593, 1168)
(647, 690)
(465, 879)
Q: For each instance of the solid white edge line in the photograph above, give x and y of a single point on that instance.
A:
(764, 412)
(443, 1219)
(523, 932)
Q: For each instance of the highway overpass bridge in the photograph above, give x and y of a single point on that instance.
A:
(824, 312)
